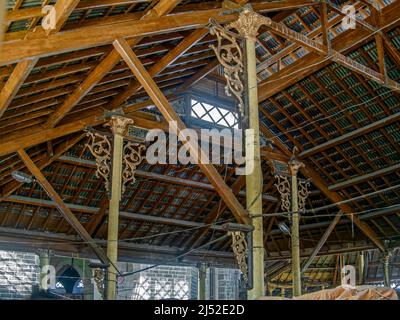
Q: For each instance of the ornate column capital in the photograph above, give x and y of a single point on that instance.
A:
(119, 124)
(294, 166)
(248, 23)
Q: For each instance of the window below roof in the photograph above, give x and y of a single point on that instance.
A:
(214, 114)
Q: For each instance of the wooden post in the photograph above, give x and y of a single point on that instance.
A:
(118, 126)
(386, 273)
(254, 179)
(44, 258)
(248, 28)
(361, 264)
(294, 166)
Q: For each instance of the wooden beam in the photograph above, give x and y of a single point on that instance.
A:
(324, 23)
(160, 66)
(265, 6)
(322, 241)
(160, 177)
(62, 208)
(87, 37)
(172, 118)
(13, 143)
(14, 82)
(364, 177)
(391, 50)
(123, 214)
(3, 17)
(105, 66)
(335, 198)
(26, 240)
(22, 69)
(63, 9)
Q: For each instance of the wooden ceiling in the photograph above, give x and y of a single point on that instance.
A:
(344, 126)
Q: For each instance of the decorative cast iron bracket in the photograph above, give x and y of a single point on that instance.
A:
(230, 55)
(239, 247)
(101, 148)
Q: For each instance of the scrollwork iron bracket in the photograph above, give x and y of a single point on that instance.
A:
(239, 247)
(100, 147)
(230, 55)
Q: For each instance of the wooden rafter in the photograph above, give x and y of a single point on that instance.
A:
(170, 115)
(22, 69)
(163, 7)
(63, 209)
(167, 60)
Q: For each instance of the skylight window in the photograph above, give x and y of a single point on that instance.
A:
(213, 114)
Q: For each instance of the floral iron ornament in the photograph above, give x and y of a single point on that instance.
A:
(239, 247)
(229, 54)
(133, 156)
(100, 147)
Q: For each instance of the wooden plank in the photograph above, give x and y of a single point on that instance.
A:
(105, 66)
(364, 177)
(62, 208)
(171, 116)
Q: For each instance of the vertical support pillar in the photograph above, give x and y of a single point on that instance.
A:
(212, 283)
(247, 26)
(254, 178)
(202, 281)
(386, 273)
(294, 167)
(361, 266)
(44, 260)
(118, 126)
